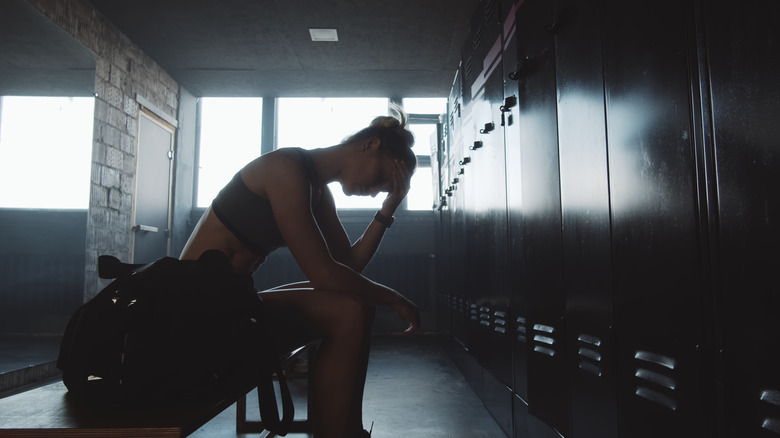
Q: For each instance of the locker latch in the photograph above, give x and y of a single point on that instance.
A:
(509, 103)
(488, 128)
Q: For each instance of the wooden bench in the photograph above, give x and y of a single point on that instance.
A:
(51, 411)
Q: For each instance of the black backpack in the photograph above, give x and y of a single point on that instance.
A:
(172, 332)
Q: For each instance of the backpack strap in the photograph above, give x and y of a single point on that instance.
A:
(266, 396)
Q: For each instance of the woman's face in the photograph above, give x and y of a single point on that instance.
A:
(371, 174)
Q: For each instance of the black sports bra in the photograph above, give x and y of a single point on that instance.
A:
(249, 216)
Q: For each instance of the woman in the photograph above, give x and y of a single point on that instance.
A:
(282, 198)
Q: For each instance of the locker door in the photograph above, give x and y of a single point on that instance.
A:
(655, 248)
(489, 203)
(586, 223)
(541, 212)
(515, 223)
(744, 57)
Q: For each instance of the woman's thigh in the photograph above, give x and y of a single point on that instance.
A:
(294, 317)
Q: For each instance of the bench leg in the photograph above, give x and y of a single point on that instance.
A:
(298, 426)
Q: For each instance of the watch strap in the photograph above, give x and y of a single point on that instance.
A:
(382, 219)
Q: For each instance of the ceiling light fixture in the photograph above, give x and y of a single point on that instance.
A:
(324, 34)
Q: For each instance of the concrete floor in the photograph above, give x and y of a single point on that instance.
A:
(18, 351)
(413, 390)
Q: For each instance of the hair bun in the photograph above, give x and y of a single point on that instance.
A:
(392, 121)
(385, 122)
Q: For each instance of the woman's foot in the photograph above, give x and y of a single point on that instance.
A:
(366, 433)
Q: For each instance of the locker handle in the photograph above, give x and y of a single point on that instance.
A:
(477, 144)
(522, 67)
(509, 103)
(526, 66)
(464, 161)
(561, 18)
(147, 228)
(489, 127)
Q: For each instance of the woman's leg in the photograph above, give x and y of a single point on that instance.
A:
(343, 322)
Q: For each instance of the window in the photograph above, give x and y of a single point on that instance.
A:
(230, 136)
(423, 123)
(320, 122)
(45, 151)
(230, 133)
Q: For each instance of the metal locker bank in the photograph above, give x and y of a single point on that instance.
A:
(609, 193)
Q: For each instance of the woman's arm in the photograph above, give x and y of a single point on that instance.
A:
(357, 255)
(287, 188)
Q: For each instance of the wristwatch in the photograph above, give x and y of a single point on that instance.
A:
(386, 221)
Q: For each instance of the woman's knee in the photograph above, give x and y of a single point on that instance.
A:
(352, 314)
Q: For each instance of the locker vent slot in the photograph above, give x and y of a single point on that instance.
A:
(589, 367)
(467, 71)
(544, 350)
(773, 398)
(657, 397)
(655, 378)
(772, 424)
(476, 41)
(544, 328)
(544, 339)
(659, 359)
(589, 352)
(490, 10)
(473, 312)
(588, 339)
(521, 330)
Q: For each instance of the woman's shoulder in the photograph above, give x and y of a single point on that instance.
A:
(283, 164)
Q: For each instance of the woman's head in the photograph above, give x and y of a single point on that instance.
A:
(395, 140)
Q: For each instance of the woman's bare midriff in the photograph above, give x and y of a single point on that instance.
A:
(211, 233)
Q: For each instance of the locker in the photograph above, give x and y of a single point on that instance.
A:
(744, 59)
(655, 249)
(487, 164)
(541, 216)
(585, 208)
(518, 318)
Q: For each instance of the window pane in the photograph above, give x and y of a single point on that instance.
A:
(425, 105)
(45, 151)
(312, 123)
(420, 195)
(424, 136)
(230, 135)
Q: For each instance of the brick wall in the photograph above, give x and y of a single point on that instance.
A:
(123, 72)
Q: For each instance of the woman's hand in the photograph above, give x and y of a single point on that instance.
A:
(407, 311)
(401, 180)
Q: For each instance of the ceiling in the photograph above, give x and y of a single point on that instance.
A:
(393, 48)
(38, 58)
